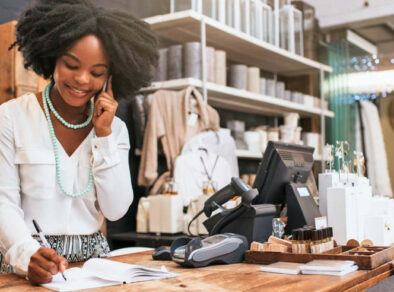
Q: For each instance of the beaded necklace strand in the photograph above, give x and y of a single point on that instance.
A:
(46, 100)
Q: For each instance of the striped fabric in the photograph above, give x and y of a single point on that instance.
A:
(75, 248)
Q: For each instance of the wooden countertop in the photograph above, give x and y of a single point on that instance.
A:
(237, 277)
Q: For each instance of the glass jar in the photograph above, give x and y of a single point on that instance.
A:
(170, 187)
(181, 5)
(266, 23)
(290, 30)
(233, 14)
(215, 9)
(255, 18)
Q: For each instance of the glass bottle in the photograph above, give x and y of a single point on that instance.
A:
(266, 23)
(181, 5)
(255, 19)
(170, 187)
(291, 30)
(295, 241)
(233, 15)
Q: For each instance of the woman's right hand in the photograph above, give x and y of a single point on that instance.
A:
(44, 264)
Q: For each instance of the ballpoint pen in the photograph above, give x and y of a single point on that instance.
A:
(44, 241)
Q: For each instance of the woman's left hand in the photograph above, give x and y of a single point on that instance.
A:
(104, 111)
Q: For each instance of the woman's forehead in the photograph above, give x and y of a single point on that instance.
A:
(89, 49)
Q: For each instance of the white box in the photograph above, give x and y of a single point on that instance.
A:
(326, 180)
(376, 229)
(342, 213)
(165, 214)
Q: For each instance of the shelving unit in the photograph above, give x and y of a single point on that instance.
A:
(240, 100)
(185, 26)
(188, 26)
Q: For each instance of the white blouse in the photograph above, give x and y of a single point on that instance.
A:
(28, 187)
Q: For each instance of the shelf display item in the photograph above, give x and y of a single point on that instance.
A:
(287, 134)
(255, 19)
(165, 214)
(233, 14)
(181, 5)
(220, 68)
(280, 89)
(161, 69)
(273, 134)
(192, 60)
(263, 85)
(291, 30)
(253, 140)
(266, 23)
(210, 53)
(253, 79)
(238, 76)
(291, 119)
(175, 61)
(270, 87)
(215, 9)
(287, 95)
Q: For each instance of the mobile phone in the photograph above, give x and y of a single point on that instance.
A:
(105, 84)
(104, 89)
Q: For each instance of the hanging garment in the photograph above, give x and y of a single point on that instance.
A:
(168, 123)
(375, 151)
(190, 173)
(220, 143)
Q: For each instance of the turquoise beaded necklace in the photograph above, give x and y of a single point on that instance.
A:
(47, 101)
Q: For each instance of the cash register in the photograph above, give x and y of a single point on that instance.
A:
(280, 181)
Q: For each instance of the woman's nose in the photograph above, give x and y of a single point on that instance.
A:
(82, 77)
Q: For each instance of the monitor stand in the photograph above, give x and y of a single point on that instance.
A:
(301, 207)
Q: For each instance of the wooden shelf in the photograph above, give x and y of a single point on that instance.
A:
(240, 100)
(245, 154)
(185, 26)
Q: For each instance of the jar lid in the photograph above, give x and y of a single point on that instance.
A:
(294, 234)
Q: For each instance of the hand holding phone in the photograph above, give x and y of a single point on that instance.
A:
(104, 109)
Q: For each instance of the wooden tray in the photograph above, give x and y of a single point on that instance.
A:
(365, 260)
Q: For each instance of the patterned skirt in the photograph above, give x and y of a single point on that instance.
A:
(75, 248)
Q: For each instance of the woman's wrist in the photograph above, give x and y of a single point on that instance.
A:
(103, 132)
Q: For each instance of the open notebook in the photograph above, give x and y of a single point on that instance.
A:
(101, 272)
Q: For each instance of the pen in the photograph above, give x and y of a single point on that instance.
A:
(44, 240)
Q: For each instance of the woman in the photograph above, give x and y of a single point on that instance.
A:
(63, 153)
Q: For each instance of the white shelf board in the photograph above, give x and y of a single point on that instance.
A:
(185, 26)
(255, 155)
(240, 100)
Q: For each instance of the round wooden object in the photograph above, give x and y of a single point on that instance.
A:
(352, 242)
(366, 243)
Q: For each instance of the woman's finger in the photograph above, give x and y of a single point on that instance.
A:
(109, 87)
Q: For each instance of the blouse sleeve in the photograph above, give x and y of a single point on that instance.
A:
(112, 173)
(16, 242)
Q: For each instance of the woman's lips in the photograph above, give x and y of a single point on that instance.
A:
(77, 93)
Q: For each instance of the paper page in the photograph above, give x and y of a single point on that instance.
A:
(332, 273)
(77, 279)
(282, 268)
(128, 273)
(327, 265)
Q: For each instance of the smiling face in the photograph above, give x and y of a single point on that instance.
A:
(81, 71)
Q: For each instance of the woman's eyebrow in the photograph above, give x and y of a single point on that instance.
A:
(77, 60)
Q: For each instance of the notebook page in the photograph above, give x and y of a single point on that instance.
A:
(124, 272)
(77, 279)
(332, 273)
(327, 265)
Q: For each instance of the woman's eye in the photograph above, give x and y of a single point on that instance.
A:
(97, 74)
(71, 67)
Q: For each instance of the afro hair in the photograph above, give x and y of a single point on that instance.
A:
(48, 28)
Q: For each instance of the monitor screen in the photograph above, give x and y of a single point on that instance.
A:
(282, 163)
